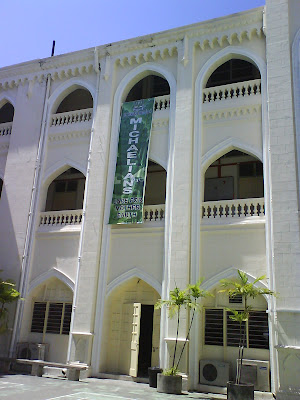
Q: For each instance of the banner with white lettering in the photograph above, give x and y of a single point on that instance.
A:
(129, 186)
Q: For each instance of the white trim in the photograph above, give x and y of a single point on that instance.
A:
(66, 88)
(52, 273)
(4, 98)
(216, 60)
(224, 147)
(229, 273)
(54, 170)
(133, 273)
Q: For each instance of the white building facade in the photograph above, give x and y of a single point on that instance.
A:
(222, 194)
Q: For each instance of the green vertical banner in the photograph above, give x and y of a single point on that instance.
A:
(129, 186)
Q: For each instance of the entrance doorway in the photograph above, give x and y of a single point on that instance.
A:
(132, 330)
(145, 341)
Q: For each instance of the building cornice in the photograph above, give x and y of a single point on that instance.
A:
(207, 34)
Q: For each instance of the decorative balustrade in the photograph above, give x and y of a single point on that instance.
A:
(71, 117)
(5, 129)
(61, 218)
(162, 103)
(231, 91)
(227, 209)
(154, 213)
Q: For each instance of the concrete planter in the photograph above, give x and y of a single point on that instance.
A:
(169, 384)
(241, 391)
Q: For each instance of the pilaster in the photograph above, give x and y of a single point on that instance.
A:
(283, 191)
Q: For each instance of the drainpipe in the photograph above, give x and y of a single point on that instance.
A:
(97, 69)
(30, 225)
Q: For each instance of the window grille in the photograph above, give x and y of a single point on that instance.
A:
(236, 299)
(258, 330)
(233, 332)
(221, 330)
(214, 327)
(51, 318)
(38, 317)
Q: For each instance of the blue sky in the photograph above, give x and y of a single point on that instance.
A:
(29, 26)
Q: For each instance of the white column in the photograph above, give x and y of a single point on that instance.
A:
(88, 265)
(283, 196)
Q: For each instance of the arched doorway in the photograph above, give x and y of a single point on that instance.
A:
(132, 329)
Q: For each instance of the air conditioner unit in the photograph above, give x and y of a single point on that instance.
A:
(215, 373)
(256, 372)
(32, 351)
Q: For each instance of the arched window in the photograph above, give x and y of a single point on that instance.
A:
(232, 71)
(235, 175)
(66, 191)
(6, 113)
(155, 192)
(1, 184)
(146, 88)
(79, 99)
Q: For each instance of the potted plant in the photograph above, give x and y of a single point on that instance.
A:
(170, 380)
(243, 288)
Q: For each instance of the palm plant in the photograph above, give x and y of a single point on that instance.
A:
(241, 287)
(187, 299)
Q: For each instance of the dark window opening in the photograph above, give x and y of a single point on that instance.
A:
(1, 185)
(235, 175)
(79, 99)
(155, 190)
(214, 327)
(66, 191)
(146, 88)
(233, 71)
(7, 113)
(51, 317)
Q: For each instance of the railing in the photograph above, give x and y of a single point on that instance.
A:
(232, 90)
(227, 209)
(5, 129)
(154, 213)
(71, 117)
(61, 218)
(162, 103)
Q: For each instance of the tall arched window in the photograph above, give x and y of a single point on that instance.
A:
(232, 71)
(79, 99)
(6, 113)
(155, 192)
(235, 175)
(146, 88)
(66, 191)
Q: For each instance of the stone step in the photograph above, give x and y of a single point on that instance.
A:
(54, 372)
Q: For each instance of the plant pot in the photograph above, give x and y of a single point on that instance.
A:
(241, 391)
(152, 372)
(169, 384)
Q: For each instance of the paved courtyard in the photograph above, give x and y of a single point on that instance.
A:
(26, 387)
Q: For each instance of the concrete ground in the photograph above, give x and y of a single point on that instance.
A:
(27, 387)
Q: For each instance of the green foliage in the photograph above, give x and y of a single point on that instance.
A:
(8, 294)
(173, 371)
(242, 287)
(188, 299)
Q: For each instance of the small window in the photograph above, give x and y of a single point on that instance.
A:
(67, 319)
(258, 330)
(38, 317)
(54, 317)
(235, 299)
(214, 327)
(51, 318)
(233, 331)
